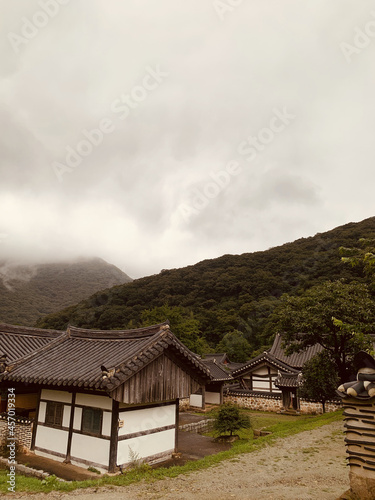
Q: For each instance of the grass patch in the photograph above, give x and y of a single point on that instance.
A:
(280, 426)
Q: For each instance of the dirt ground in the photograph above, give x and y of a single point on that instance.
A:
(308, 466)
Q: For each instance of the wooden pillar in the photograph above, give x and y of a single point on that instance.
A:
(177, 420)
(298, 400)
(203, 397)
(114, 437)
(269, 378)
(294, 399)
(221, 394)
(70, 435)
(35, 425)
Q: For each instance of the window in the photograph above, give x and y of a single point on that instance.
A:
(54, 413)
(92, 421)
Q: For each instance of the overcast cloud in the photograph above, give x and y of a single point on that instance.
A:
(174, 90)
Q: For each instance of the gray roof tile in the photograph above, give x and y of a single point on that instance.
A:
(218, 373)
(297, 359)
(74, 357)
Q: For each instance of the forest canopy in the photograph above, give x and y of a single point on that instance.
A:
(233, 293)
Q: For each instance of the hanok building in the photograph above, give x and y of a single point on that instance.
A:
(273, 375)
(220, 358)
(213, 392)
(99, 397)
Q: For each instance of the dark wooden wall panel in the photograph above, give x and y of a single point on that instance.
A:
(161, 380)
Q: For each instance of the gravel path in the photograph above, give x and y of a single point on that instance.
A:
(308, 466)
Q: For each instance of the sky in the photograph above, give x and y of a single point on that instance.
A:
(156, 134)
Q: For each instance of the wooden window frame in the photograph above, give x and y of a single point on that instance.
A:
(89, 430)
(54, 409)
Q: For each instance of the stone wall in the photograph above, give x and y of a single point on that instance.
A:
(273, 403)
(262, 403)
(22, 433)
(312, 407)
(202, 426)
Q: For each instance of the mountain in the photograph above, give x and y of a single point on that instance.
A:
(28, 292)
(227, 293)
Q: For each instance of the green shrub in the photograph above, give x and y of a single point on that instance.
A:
(230, 419)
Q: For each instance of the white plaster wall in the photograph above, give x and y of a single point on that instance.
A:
(147, 418)
(261, 385)
(213, 398)
(104, 402)
(262, 370)
(66, 416)
(42, 412)
(90, 448)
(274, 388)
(61, 396)
(77, 418)
(196, 400)
(51, 439)
(146, 446)
(106, 424)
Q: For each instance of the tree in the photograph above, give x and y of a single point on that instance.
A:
(183, 325)
(230, 419)
(236, 346)
(363, 256)
(320, 379)
(336, 315)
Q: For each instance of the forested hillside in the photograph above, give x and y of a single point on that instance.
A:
(217, 296)
(28, 292)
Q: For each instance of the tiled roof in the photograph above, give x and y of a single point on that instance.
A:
(261, 358)
(218, 373)
(288, 379)
(296, 360)
(17, 341)
(237, 390)
(75, 357)
(234, 366)
(220, 357)
(364, 385)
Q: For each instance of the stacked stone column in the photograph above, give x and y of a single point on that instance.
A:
(359, 423)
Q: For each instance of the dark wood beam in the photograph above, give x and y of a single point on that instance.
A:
(35, 424)
(177, 425)
(70, 434)
(114, 437)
